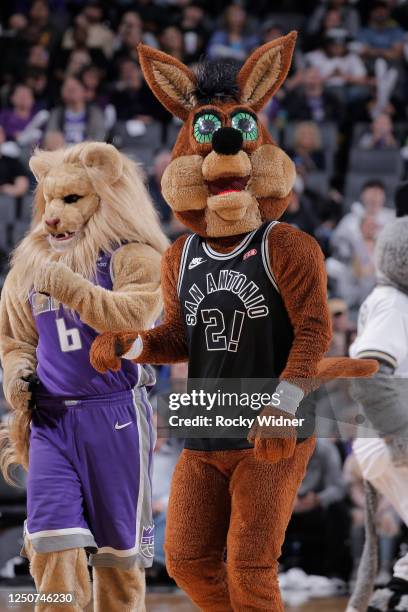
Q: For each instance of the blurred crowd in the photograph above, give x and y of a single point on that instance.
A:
(70, 72)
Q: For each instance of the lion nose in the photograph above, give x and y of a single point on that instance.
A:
(52, 222)
(227, 141)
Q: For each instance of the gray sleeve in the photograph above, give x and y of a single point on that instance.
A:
(382, 400)
(334, 485)
(53, 124)
(96, 125)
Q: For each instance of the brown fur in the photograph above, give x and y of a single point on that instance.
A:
(241, 500)
(248, 504)
(170, 80)
(265, 71)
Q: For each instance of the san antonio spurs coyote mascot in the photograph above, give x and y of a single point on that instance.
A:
(91, 263)
(229, 183)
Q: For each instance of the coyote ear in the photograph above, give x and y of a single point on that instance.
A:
(170, 80)
(265, 70)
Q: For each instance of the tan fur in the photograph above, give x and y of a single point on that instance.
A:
(230, 207)
(265, 70)
(108, 215)
(182, 184)
(175, 83)
(124, 214)
(273, 172)
(239, 212)
(65, 571)
(216, 165)
(119, 589)
(272, 175)
(172, 82)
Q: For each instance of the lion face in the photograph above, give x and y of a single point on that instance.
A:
(90, 199)
(70, 201)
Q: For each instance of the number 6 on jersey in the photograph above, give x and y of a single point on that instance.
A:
(69, 339)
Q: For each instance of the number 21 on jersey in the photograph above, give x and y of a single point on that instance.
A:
(215, 337)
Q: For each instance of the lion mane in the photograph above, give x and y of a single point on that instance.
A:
(125, 214)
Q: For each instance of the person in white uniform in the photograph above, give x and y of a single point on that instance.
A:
(383, 335)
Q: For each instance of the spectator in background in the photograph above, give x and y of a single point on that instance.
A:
(130, 34)
(91, 79)
(338, 67)
(74, 118)
(331, 21)
(13, 176)
(47, 31)
(382, 37)
(319, 523)
(362, 261)
(348, 231)
(341, 326)
(38, 57)
(307, 152)
(300, 211)
(271, 30)
(355, 275)
(194, 30)
(166, 454)
(232, 40)
(347, 17)
(99, 35)
(161, 161)
(15, 119)
(37, 80)
(13, 48)
(89, 32)
(131, 98)
(53, 141)
(75, 52)
(381, 134)
(401, 200)
(310, 101)
(172, 42)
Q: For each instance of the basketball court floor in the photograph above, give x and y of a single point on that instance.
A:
(178, 602)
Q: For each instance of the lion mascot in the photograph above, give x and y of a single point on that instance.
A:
(244, 296)
(90, 263)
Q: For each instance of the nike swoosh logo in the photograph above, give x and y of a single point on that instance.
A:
(194, 264)
(117, 426)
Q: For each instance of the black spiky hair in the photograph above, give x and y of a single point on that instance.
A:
(217, 80)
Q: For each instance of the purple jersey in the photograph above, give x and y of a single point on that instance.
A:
(64, 342)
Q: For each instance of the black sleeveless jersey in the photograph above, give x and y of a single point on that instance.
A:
(235, 319)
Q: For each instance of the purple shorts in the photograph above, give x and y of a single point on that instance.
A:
(89, 478)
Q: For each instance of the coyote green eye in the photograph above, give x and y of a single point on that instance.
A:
(205, 126)
(246, 124)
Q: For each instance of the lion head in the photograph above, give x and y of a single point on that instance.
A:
(227, 175)
(90, 198)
